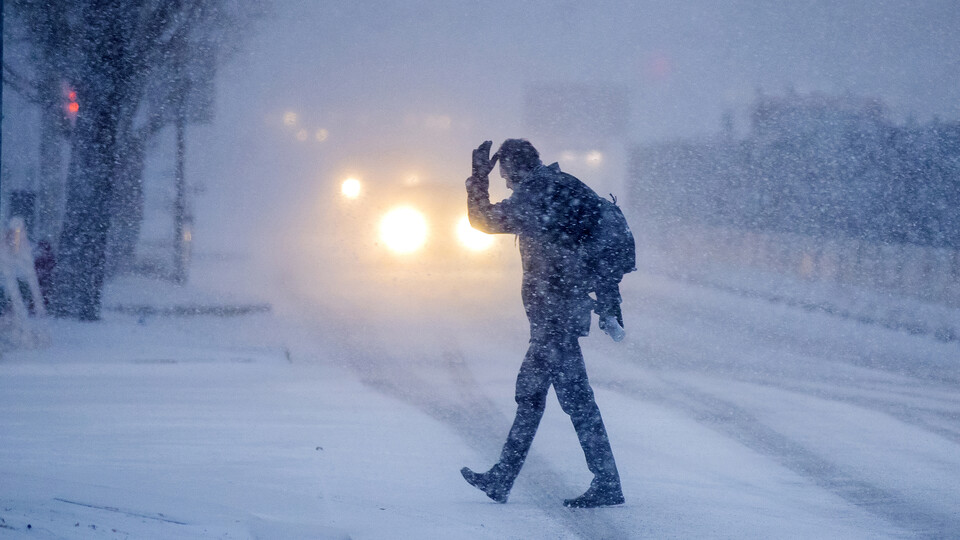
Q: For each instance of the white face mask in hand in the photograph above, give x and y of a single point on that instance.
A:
(612, 328)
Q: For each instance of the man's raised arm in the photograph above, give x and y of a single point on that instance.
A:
(484, 216)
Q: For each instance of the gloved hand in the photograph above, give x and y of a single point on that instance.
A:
(482, 164)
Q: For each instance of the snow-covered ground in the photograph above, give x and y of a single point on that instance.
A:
(731, 416)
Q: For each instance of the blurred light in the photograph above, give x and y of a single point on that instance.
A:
(659, 67)
(568, 156)
(403, 230)
(290, 118)
(350, 188)
(322, 135)
(302, 135)
(471, 238)
(412, 180)
(594, 157)
(73, 107)
(438, 122)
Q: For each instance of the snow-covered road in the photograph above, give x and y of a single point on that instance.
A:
(861, 415)
(730, 417)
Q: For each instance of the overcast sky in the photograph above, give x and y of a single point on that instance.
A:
(683, 61)
(431, 79)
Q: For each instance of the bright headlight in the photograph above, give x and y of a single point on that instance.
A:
(403, 230)
(471, 238)
(350, 188)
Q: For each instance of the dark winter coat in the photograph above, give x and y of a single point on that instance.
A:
(551, 212)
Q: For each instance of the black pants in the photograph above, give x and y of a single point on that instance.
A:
(557, 362)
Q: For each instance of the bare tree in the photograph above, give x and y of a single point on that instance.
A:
(42, 31)
(127, 60)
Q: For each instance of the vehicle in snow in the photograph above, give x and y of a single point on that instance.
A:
(391, 226)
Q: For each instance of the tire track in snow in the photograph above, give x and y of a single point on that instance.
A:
(438, 382)
(943, 422)
(738, 424)
(477, 420)
(755, 320)
(901, 385)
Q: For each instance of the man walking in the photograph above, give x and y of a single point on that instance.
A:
(551, 213)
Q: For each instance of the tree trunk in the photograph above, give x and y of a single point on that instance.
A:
(126, 207)
(105, 87)
(78, 276)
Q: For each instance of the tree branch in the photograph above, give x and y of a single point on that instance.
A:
(156, 25)
(150, 129)
(21, 85)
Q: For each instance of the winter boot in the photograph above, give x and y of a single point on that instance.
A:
(600, 494)
(490, 482)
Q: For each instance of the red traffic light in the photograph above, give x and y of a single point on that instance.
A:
(71, 107)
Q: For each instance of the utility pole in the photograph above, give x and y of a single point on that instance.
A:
(1, 102)
(180, 203)
(181, 223)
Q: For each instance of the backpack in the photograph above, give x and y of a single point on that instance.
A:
(609, 250)
(605, 244)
